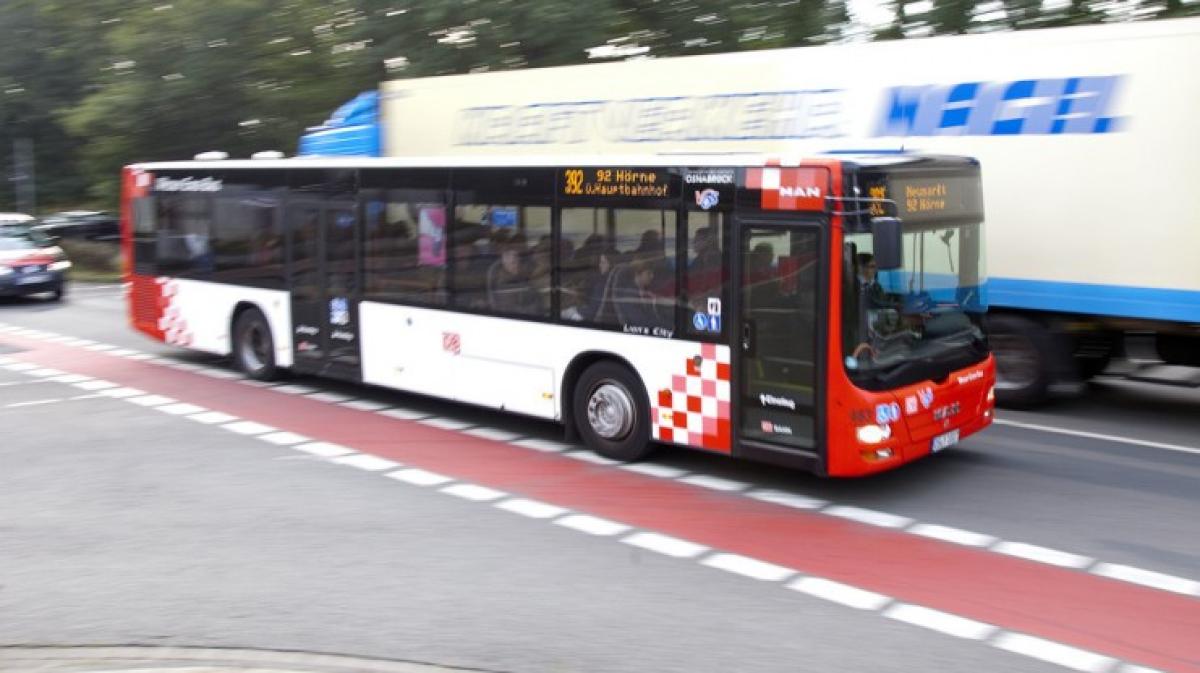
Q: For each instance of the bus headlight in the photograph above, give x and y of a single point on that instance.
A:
(61, 265)
(5, 270)
(991, 396)
(873, 434)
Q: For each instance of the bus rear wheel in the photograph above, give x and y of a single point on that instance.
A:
(253, 346)
(612, 412)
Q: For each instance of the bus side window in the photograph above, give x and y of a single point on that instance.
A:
(406, 248)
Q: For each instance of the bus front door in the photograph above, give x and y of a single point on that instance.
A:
(777, 337)
(325, 284)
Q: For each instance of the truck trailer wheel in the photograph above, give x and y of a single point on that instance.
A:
(1023, 351)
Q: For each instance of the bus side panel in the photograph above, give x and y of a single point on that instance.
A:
(519, 366)
(199, 314)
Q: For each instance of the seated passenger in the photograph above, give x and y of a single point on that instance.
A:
(509, 289)
(634, 299)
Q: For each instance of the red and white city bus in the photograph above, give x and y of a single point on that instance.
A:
(822, 314)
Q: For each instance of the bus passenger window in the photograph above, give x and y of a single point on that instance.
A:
(405, 252)
(496, 262)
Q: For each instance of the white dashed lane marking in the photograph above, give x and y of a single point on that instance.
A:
(786, 499)
(212, 418)
(323, 449)
(249, 428)
(955, 535)
(748, 567)
(1052, 557)
(284, 438)
(843, 594)
(1148, 578)
(474, 492)
(365, 461)
(419, 477)
(592, 525)
(1054, 653)
(942, 622)
(531, 508)
(664, 544)
(868, 516)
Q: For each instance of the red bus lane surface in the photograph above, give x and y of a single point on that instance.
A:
(1129, 622)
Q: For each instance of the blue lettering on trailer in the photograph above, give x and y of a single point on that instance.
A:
(1071, 105)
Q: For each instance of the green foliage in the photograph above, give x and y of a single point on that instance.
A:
(103, 83)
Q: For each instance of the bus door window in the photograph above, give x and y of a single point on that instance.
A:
(248, 239)
(779, 292)
(705, 274)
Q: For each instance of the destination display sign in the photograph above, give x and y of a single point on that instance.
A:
(618, 183)
(920, 198)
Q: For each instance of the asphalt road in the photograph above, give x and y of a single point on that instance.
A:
(122, 524)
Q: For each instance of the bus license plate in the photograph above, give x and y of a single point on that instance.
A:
(33, 278)
(942, 441)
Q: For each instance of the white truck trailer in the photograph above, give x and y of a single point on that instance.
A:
(1089, 139)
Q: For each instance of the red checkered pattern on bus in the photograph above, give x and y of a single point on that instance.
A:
(694, 411)
(171, 322)
(801, 188)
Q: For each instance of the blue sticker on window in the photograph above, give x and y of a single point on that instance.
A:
(700, 322)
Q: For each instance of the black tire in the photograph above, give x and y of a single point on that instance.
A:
(1024, 351)
(59, 293)
(253, 346)
(603, 385)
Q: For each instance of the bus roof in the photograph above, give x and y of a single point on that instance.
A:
(864, 160)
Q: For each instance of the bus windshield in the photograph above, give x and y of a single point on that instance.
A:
(918, 321)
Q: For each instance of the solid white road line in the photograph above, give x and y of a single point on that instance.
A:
(664, 544)
(404, 414)
(493, 434)
(592, 525)
(955, 535)
(1054, 653)
(543, 445)
(748, 567)
(1031, 552)
(249, 428)
(654, 470)
(445, 423)
(1179, 585)
(843, 594)
(1097, 435)
(942, 622)
(212, 418)
(365, 461)
(284, 438)
(473, 492)
(868, 516)
(324, 449)
(793, 500)
(419, 477)
(152, 400)
(714, 483)
(533, 509)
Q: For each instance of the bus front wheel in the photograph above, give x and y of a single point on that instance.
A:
(612, 412)
(253, 346)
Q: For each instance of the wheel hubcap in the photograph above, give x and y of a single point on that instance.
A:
(610, 411)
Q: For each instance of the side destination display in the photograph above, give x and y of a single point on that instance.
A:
(618, 183)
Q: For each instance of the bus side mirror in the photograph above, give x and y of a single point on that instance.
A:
(887, 243)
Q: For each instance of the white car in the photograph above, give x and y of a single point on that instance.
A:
(15, 218)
